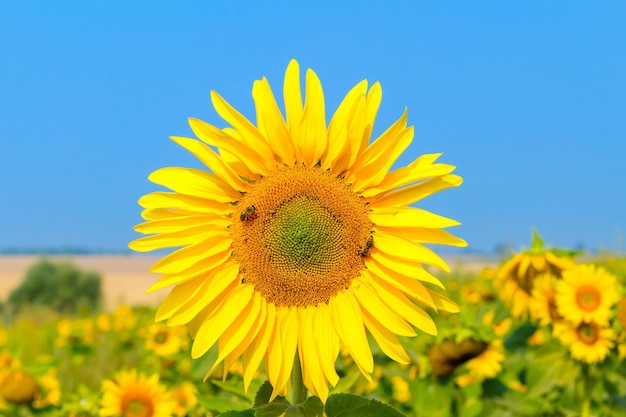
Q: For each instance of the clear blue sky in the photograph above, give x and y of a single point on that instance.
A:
(527, 98)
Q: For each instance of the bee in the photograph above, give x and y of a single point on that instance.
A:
(368, 245)
(248, 214)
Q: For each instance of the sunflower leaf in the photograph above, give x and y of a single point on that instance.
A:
(242, 413)
(350, 405)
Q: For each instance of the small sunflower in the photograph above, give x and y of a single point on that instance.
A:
(543, 303)
(166, 341)
(586, 293)
(185, 397)
(516, 278)
(588, 342)
(298, 238)
(447, 356)
(489, 363)
(131, 394)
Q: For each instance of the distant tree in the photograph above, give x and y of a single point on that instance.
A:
(59, 286)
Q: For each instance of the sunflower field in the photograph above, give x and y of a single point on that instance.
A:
(541, 334)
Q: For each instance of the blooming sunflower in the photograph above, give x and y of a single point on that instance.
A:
(515, 278)
(586, 293)
(299, 238)
(543, 302)
(166, 341)
(185, 397)
(135, 395)
(588, 342)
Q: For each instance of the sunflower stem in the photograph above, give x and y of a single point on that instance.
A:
(298, 390)
(588, 383)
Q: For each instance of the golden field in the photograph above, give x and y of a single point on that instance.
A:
(124, 278)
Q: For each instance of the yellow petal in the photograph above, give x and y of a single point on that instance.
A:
(409, 217)
(184, 237)
(419, 170)
(413, 193)
(220, 281)
(293, 97)
(424, 235)
(371, 302)
(162, 199)
(338, 131)
(289, 331)
(246, 130)
(217, 323)
(403, 306)
(255, 352)
(311, 139)
(240, 328)
(348, 320)
(374, 172)
(327, 346)
(312, 374)
(408, 268)
(409, 285)
(202, 267)
(208, 221)
(212, 160)
(252, 164)
(184, 258)
(373, 100)
(411, 251)
(273, 122)
(194, 182)
(387, 341)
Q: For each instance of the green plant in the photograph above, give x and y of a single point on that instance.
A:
(59, 286)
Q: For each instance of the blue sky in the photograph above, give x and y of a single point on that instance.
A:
(527, 99)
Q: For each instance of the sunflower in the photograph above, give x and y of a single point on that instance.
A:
(166, 341)
(489, 363)
(543, 302)
(588, 342)
(515, 279)
(185, 397)
(135, 395)
(298, 238)
(586, 293)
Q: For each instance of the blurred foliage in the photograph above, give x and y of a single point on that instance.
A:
(59, 286)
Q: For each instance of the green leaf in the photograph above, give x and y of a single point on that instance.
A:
(264, 408)
(517, 339)
(243, 413)
(350, 405)
(220, 404)
(549, 371)
(536, 245)
(312, 407)
(431, 396)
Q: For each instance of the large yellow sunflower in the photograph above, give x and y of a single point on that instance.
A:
(131, 394)
(588, 342)
(516, 278)
(587, 293)
(298, 237)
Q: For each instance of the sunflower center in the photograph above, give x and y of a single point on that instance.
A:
(301, 236)
(160, 338)
(588, 333)
(137, 407)
(588, 298)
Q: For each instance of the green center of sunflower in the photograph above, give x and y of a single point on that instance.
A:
(301, 236)
(305, 235)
